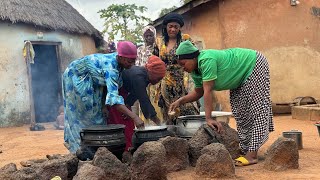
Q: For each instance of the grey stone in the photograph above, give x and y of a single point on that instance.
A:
(282, 154)
(148, 162)
(177, 157)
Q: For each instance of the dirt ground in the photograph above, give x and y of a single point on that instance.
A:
(19, 144)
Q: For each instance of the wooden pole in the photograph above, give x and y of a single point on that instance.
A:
(32, 112)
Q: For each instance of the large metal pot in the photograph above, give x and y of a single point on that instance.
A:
(110, 136)
(188, 125)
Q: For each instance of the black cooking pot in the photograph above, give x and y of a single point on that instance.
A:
(110, 136)
(150, 133)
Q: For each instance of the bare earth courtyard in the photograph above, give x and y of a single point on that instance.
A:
(19, 144)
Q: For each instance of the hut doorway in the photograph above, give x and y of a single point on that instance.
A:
(45, 82)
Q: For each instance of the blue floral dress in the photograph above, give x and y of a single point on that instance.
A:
(83, 84)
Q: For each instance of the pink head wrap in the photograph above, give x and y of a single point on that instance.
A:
(127, 49)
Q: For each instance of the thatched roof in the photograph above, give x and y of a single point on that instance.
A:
(49, 14)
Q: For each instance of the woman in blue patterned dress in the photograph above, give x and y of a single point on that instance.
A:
(83, 84)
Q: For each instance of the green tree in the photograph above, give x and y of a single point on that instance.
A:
(184, 1)
(125, 19)
(165, 11)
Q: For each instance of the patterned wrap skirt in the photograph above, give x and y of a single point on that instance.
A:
(172, 88)
(251, 106)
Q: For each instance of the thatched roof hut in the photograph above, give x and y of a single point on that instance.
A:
(48, 14)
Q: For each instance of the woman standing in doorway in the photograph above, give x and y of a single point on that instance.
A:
(172, 86)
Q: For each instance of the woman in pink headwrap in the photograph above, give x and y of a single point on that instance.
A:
(135, 83)
(83, 84)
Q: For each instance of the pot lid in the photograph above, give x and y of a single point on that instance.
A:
(151, 128)
(104, 127)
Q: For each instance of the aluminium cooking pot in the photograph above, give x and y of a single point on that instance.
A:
(188, 125)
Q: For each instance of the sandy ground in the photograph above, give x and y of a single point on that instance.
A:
(19, 144)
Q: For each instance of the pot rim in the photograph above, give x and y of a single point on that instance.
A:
(98, 128)
(154, 128)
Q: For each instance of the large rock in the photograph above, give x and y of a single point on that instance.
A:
(282, 154)
(229, 138)
(177, 157)
(7, 171)
(32, 162)
(53, 165)
(148, 162)
(81, 163)
(112, 166)
(88, 171)
(198, 141)
(127, 157)
(70, 160)
(215, 162)
(62, 166)
(26, 173)
(52, 168)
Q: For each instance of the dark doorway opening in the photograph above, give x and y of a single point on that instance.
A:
(45, 82)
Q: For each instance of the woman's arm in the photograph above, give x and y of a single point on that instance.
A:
(208, 86)
(114, 99)
(123, 109)
(194, 95)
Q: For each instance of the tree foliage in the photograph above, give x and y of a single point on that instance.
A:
(167, 10)
(124, 19)
(185, 1)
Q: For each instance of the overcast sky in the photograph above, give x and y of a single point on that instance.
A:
(89, 8)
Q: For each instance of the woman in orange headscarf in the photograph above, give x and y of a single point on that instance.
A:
(135, 83)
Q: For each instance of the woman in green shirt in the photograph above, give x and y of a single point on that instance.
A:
(245, 73)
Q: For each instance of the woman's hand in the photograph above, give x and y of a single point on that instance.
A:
(174, 106)
(156, 120)
(138, 122)
(215, 125)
